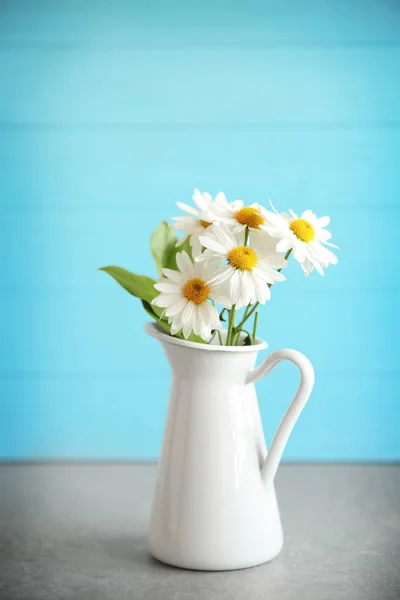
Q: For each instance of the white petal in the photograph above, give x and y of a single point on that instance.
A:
(322, 254)
(215, 321)
(273, 208)
(249, 286)
(323, 221)
(262, 273)
(188, 225)
(181, 240)
(274, 261)
(188, 209)
(224, 235)
(238, 228)
(199, 200)
(307, 215)
(244, 297)
(287, 217)
(220, 199)
(220, 293)
(276, 232)
(275, 220)
(307, 267)
(187, 318)
(176, 325)
(262, 291)
(187, 312)
(318, 267)
(174, 276)
(262, 242)
(187, 329)
(275, 276)
(165, 300)
(222, 275)
(236, 205)
(331, 245)
(206, 269)
(235, 286)
(212, 244)
(284, 245)
(176, 308)
(330, 257)
(268, 275)
(212, 316)
(323, 235)
(196, 245)
(197, 320)
(207, 197)
(299, 251)
(185, 265)
(206, 327)
(168, 288)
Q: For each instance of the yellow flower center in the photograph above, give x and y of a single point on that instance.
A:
(303, 230)
(196, 290)
(205, 224)
(249, 216)
(242, 258)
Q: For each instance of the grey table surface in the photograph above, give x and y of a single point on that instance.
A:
(79, 532)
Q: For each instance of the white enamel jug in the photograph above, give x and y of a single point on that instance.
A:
(215, 506)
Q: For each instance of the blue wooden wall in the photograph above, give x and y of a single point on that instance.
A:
(110, 112)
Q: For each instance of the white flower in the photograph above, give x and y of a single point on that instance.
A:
(184, 295)
(208, 211)
(248, 269)
(253, 217)
(306, 236)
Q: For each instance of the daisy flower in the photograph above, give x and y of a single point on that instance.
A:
(253, 217)
(185, 294)
(306, 236)
(246, 271)
(206, 212)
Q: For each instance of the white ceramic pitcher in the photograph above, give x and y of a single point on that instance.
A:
(215, 506)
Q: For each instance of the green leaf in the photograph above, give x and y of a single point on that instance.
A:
(138, 285)
(171, 257)
(143, 287)
(164, 249)
(196, 338)
(247, 340)
(162, 245)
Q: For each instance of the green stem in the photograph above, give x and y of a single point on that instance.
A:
(247, 316)
(246, 236)
(255, 328)
(288, 253)
(246, 310)
(231, 325)
(236, 338)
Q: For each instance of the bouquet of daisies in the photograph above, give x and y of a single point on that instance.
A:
(227, 261)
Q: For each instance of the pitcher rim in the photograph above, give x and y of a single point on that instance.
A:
(152, 329)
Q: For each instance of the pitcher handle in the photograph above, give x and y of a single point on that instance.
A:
(304, 390)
